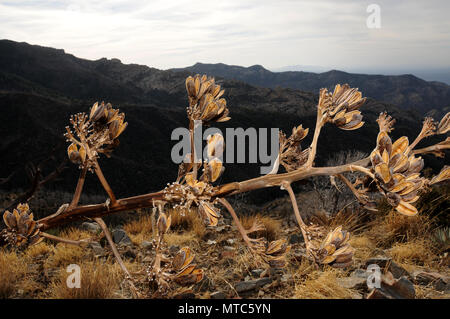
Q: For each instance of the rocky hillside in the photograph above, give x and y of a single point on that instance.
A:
(41, 87)
(405, 91)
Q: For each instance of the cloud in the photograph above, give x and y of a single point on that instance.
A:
(178, 33)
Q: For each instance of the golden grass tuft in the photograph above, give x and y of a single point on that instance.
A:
(40, 250)
(187, 220)
(99, 280)
(364, 246)
(142, 225)
(179, 239)
(64, 255)
(417, 252)
(272, 226)
(322, 285)
(395, 227)
(12, 269)
(75, 234)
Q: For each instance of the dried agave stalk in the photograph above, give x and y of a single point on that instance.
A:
(394, 167)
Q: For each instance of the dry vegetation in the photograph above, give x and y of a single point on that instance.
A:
(183, 247)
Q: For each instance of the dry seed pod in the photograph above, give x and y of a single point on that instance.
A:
(186, 272)
(21, 228)
(210, 212)
(341, 106)
(95, 134)
(444, 124)
(77, 154)
(213, 170)
(443, 175)
(205, 103)
(396, 169)
(216, 145)
(163, 223)
(335, 250)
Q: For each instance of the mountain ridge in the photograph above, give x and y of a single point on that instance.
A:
(406, 91)
(41, 88)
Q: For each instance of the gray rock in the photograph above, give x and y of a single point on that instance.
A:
(120, 237)
(231, 241)
(97, 248)
(257, 272)
(229, 248)
(249, 285)
(438, 281)
(391, 288)
(211, 242)
(387, 263)
(91, 227)
(218, 295)
(129, 253)
(146, 244)
(295, 239)
(353, 282)
(174, 249)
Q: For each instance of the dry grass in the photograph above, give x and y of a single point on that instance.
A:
(395, 227)
(178, 239)
(99, 280)
(39, 250)
(272, 226)
(188, 220)
(417, 252)
(142, 225)
(364, 246)
(64, 255)
(12, 269)
(322, 285)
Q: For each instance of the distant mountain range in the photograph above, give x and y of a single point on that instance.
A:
(429, 74)
(41, 87)
(406, 91)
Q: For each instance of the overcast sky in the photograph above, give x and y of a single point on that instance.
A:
(176, 33)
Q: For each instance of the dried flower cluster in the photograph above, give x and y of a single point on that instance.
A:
(292, 156)
(205, 102)
(341, 106)
(95, 134)
(335, 249)
(21, 229)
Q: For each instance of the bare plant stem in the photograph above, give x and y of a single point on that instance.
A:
(300, 221)
(233, 214)
(105, 184)
(62, 240)
(193, 153)
(79, 188)
(352, 188)
(313, 146)
(147, 200)
(108, 236)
